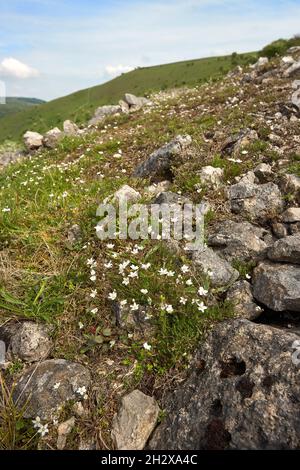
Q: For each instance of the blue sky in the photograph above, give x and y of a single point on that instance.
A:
(49, 48)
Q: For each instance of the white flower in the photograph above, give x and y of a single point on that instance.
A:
(144, 291)
(183, 300)
(169, 308)
(6, 209)
(56, 386)
(201, 307)
(37, 422)
(93, 278)
(90, 262)
(43, 430)
(146, 266)
(123, 303)
(134, 307)
(112, 343)
(163, 272)
(81, 391)
(171, 274)
(133, 267)
(112, 295)
(133, 274)
(93, 272)
(202, 291)
(189, 282)
(123, 266)
(125, 281)
(185, 269)
(94, 311)
(108, 265)
(81, 325)
(93, 293)
(248, 276)
(147, 346)
(110, 246)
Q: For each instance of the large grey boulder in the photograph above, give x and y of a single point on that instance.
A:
(52, 138)
(103, 112)
(277, 286)
(33, 140)
(286, 250)
(242, 393)
(49, 385)
(239, 240)
(135, 421)
(160, 162)
(240, 294)
(220, 272)
(259, 202)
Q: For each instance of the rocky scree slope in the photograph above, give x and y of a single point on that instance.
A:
(101, 336)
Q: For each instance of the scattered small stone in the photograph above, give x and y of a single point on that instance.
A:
(64, 429)
(135, 421)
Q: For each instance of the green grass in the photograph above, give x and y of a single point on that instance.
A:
(14, 105)
(80, 106)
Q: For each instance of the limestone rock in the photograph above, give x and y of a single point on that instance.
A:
(277, 286)
(126, 193)
(290, 184)
(160, 162)
(70, 128)
(103, 112)
(291, 215)
(259, 202)
(31, 342)
(211, 176)
(135, 421)
(220, 272)
(64, 429)
(33, 140)
(242, 393)
(264, 173)
(286, 250)
(293, 70)
(238, 240)
(156, 189)
(52, 138)
(74, 234)
(241, 296)
(49, 385)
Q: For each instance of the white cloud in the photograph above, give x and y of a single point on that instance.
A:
(114, 70)
(14, 68)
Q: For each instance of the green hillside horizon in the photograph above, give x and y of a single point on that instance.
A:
(79, 106)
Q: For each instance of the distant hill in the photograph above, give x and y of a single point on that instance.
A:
(15, 104)
(80, 106)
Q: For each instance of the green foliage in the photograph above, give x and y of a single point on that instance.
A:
(279, 47)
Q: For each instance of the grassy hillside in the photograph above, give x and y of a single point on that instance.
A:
(79, 106)
(15, 105)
